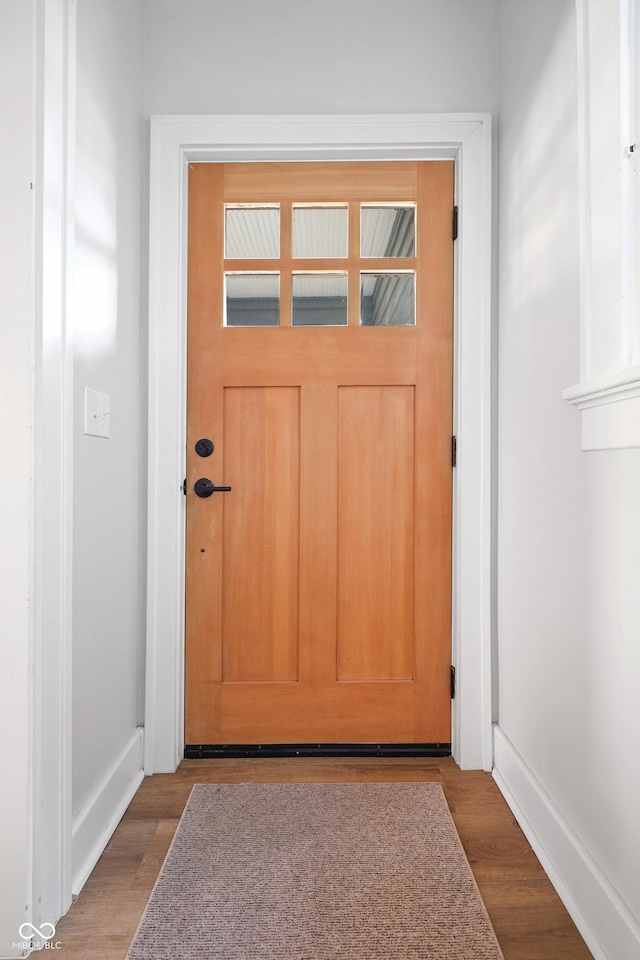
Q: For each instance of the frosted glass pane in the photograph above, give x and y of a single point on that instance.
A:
(387, 299)
(252, 233)
(320, 231)
(319, 300)
(387, 231)
(252, 299)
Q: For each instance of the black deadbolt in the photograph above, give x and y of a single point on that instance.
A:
(204, 448)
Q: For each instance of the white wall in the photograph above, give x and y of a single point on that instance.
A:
(37, 48)
(569, 522)
(109, 474)
(338, 56)
(17, 108)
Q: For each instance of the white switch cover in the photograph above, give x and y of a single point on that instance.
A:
(97, 420)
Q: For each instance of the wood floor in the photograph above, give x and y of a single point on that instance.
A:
(529, 918)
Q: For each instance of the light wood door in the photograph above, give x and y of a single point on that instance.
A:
(319, 588)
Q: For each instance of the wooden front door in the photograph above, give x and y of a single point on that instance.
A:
(320, 368)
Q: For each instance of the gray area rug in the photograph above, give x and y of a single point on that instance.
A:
(358, 871)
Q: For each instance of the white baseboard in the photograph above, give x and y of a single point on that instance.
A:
(101, 814)
(608, 927)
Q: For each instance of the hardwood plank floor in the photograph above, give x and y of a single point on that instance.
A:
(529, 919)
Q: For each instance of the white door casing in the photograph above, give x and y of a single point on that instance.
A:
(177, 140)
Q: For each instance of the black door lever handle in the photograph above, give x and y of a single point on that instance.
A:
(205, 487)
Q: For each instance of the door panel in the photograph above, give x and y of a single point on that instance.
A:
(319, 588)
(260, 551)
(376, 533)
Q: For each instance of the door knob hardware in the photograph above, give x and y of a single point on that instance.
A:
(204, 447)
(205, 487)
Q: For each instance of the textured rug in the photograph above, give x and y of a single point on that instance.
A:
(358, 871)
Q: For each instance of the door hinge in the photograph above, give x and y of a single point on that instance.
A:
(453, 683)
(184, 486)
(455, 223)
(454, 451)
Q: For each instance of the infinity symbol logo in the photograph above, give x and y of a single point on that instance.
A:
(27, 931)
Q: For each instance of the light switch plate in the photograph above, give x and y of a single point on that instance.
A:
(97, 418)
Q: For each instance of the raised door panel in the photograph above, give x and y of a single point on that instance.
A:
(261, 535)
(376, 533)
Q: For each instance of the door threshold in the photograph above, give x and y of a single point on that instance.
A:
(216, 751)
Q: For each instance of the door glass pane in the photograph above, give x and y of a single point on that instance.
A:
(320, 231)
(387, 299)
(319, 300)
(387, 231)
(252, 233)
(252, 299)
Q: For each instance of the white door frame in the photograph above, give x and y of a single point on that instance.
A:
(176, 140)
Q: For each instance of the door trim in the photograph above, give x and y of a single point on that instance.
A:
(178, 140)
